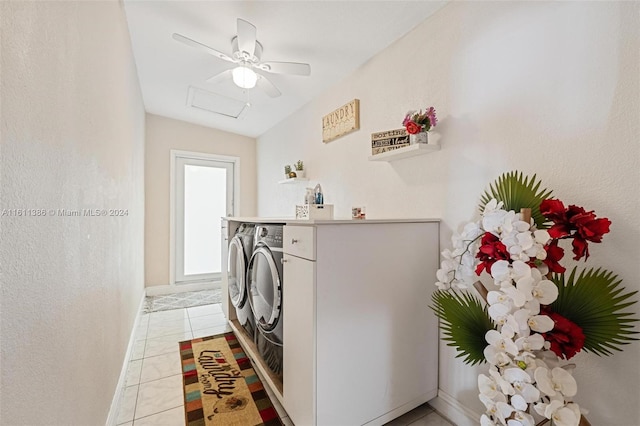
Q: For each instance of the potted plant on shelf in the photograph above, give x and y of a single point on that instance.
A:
(287, 172)
(299, 165)
(418, 123)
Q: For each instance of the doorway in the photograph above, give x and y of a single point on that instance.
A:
(203, 189)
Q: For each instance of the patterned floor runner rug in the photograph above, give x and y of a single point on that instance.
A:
(220, 385)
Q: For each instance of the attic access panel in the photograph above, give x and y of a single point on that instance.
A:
(216, 103)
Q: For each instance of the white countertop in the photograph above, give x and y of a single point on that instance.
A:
(340, 221)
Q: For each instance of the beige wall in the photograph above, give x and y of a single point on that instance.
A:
(548, 88)
(164, 134)
(73, 139)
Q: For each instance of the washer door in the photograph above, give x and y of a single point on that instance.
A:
(236, 273)
(265, 288)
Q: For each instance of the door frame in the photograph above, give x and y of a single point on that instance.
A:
(174, 155)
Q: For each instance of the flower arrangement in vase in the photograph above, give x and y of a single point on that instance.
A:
(534, 317)
(418, 123)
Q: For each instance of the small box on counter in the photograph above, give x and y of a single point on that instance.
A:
(389, 140)
(314, 211)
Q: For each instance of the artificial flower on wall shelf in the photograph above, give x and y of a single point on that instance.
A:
(418, 123)
(535, 316)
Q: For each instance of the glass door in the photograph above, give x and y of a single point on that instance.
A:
(204, 192)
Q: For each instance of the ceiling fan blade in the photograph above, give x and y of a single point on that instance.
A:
(265, 85)
(294, 68)
(246, 37)
(203, 47)
(219, 78)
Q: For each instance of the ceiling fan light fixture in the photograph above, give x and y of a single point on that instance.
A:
(244, 77)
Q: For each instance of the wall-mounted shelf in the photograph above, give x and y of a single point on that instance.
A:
(293, 180)
(406, 152)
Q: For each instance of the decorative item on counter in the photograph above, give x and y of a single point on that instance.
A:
(535, 316)
(287, 171)
(299, 165)
(389, 140)
(314, 211)
(309, 197)
(358, 213)
(418, 123)
(318, 194)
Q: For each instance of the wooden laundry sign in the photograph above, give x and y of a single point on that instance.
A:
(344, 120)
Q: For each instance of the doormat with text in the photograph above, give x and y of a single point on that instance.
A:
(220, 385)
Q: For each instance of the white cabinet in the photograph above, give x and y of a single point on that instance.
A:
(360, 342)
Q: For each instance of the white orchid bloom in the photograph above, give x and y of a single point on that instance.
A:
(545, 291)
(533, 342)
(559, 413)
(518, 297)
(504, 273)
(505, 386)
(497, 408)
(510, 327)
(498, 312)
(501, 271)
(501, 342)
(494, 297)
(558, 380)
(518, 402)
(521, 382)
(496, 357)
(498, 221)
(527, 322)
(540, 323)
(522, 319)
(488, 386)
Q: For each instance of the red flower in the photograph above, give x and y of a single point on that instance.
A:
(566, 338)
(413, 128)
(574, 222)
(491, 250)
(554, 256)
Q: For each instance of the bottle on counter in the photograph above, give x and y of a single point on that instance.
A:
(309, 197)
(318, 194)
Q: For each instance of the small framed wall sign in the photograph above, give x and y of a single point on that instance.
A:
(343, 120)
(389, 140)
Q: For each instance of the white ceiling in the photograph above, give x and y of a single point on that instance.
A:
(335, 37)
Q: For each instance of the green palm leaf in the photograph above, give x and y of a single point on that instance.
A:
(516, 192)
(464, 323)
(593, 301)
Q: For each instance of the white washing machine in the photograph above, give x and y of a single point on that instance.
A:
(240, 251)
(264, 281)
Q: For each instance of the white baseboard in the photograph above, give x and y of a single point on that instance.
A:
(455, 412)
(115, 403)
(397, 412)
(158, 290)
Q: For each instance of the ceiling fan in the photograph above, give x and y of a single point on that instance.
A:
(247, 53)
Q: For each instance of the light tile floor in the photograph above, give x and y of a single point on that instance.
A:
(153, 392)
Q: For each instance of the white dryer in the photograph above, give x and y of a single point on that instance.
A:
(240, 251)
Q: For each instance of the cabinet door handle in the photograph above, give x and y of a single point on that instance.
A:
(283, 260)
(293, 241)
